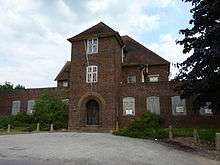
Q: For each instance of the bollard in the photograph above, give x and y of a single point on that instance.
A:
(195, 135)
(170, 132)
(51, 128)
(9, 128)
(217, 141)
(38, 127)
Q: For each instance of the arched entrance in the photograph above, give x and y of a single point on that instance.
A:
(92, 111)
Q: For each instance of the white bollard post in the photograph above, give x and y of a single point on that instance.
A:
(51, 128)
(38, 127)
(9, 128)
(217, 141)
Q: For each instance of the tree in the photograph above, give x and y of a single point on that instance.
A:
(50, 109)
(10, 87)
(200, 73)
(19, 87)
(7, 87)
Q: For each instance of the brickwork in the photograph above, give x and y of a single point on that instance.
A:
(112, 85)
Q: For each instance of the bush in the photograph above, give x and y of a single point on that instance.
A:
(49, 109)
(147, 126)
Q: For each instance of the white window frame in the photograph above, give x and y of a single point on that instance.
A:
(153, 76)
(92, 46)
(16, 107)
(92, 74)
(30, 106)
(65, 84)
(129, 106)
(131, 79)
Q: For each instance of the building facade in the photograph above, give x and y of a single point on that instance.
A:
(110, 81)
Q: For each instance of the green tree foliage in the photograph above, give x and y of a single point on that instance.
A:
(19, 87)
(200, 73)
(147, 126)
(50, 109)
(10, 87)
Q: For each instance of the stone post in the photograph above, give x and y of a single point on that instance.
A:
(51, 128)
(9, 128)
(38, 127)
(170, 132)
(217, 141)
(196, 135)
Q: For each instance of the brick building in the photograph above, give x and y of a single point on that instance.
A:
(111, 80)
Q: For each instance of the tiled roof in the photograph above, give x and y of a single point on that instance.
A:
(64, 73)
(138, 54)
(98, 29)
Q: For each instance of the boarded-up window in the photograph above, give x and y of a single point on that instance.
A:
(30, 106)
(178, 105)
(15, 107)
(129, 106)
(153, 104)
(131, 79)
(206, 109)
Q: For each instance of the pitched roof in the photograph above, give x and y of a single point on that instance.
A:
(99, 29)
(64, 73)
(138, 54)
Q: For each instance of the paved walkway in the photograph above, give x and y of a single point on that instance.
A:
(90, 148)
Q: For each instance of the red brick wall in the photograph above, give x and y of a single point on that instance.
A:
(108, 60)
(6, 98)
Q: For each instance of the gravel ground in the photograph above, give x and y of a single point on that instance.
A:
(90, 148)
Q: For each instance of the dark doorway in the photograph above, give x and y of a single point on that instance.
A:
(92, 108)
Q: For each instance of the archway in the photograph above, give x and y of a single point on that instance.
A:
(92, 111)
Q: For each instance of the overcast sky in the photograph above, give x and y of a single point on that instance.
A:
(33, 33)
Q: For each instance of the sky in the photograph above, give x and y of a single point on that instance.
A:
(34, 33)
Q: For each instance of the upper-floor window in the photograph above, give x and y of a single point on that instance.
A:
(15, 107)
(92, 46)
(91, 74)
(65, 84)
(30, 106)
(131, 79)
(153, 78)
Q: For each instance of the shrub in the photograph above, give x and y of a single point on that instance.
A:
(50, 109)
(147, 126)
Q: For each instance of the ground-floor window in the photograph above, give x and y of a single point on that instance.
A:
(129, 106)
(206, 109)
(30, 107)
(15, 107)
(178, 105)
(153, 104)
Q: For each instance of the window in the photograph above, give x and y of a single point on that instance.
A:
(65, 83)
(178, 105)
(206, 110)
(129, 106)
(131, 79)
(153, 78)
(15, 107)
(153, 104)
(30, 107)
(92, 46)
(66, 101)
(91, 74)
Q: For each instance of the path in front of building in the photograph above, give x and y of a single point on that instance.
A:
(90, 148)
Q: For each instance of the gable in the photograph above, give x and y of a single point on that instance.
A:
(99, 30)
(64, 73)
(136, 53)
